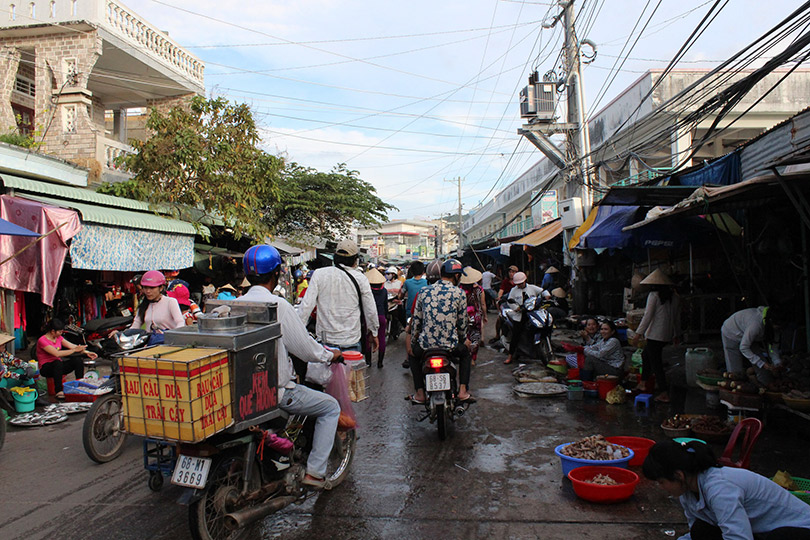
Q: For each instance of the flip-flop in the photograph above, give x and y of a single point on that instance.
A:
(507, 361)
(413, 400)
(469, 399)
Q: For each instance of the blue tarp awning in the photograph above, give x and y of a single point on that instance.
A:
(494, 252)
(722, 172)
(606, 232)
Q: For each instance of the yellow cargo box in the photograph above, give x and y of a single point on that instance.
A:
(176, 393)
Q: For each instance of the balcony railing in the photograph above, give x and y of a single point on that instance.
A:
(108, 151)
(115, 18)
(518, 227)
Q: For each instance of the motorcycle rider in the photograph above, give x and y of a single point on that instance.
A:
(506, 287)
(262, 266)
(334, 290)
(521, 292)
(440, 322)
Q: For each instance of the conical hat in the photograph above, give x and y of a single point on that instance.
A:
(657, 278)
(559, 292)
(375, 277)
(552, 270)
(471, 275)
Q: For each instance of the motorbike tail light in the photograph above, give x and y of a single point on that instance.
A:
(437, 362)
(95, 336)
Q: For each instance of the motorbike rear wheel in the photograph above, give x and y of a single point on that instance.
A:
(102, 434)
(206, 516)
(441, 422)
(337, 468)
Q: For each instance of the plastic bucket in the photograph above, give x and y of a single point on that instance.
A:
(576, 393)
(606, 385)
(573, 373)
(26, 402)
(639, 445)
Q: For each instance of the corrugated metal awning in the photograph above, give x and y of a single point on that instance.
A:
(115, 217)
(98, 207)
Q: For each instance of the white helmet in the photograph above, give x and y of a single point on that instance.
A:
(392, 270)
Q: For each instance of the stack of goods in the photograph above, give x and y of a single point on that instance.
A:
(741, 389)
(15, 372)
(711, 428)
(792, 386)
(677, 426)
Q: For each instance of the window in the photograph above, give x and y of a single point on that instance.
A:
(12, 12)
(53, 9)
(24, 117)
(33, 9)
(25, 86)
(74, 9)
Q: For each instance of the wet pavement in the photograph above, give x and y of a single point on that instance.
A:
(496, 476)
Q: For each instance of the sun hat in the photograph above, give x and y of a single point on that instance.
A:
(392, 270)
(227, 287)
(181, 294)
(559, 292)
(471, 275)
(657, 278)
(375, 277)
(552, 270)
(245, 283)
(519, 278)
(153, 278)
(346, 248)
(515, 268)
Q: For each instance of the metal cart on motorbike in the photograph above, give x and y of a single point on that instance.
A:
(207, 403)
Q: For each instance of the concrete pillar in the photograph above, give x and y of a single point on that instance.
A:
(680, 141)
(633, 166)
(9, 62)
(120, 125)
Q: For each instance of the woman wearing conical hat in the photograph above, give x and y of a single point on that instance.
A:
(661, 325)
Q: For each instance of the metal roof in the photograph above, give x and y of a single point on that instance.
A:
(97, 207)
(115, 217)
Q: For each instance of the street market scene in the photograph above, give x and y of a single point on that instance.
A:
(513, 269)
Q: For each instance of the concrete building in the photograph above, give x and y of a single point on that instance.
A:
(405, 239)
(65, 65)
(650, 141)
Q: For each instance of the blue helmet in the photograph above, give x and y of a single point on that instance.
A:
(452, 266)
(298, 274)
(261, 259)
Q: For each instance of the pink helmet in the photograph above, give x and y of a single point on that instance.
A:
(153, 278)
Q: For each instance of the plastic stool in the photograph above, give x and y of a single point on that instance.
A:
(52, 386)
(644, 399)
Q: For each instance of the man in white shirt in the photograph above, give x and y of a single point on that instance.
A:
(521, 292)
(486, 283)
(334, 291)
(262, 265)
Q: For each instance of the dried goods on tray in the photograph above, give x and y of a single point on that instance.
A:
(603, 480)
(677, 422)
(596, 448)
(711, 424)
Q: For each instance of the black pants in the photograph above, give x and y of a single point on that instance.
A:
(518, 329)
(652, 361)
(55, 369)
(704, 531)
(464, 365)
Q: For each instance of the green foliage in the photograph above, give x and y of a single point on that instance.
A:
(129, 189)
(17, 139)
(324, 204)
(205, 156)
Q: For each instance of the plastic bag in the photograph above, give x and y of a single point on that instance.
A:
(616, 396)
(318, 373)
(338, 388)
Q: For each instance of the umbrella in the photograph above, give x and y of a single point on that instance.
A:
(8, 228)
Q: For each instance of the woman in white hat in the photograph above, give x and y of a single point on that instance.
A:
(376, 281)
(660, 325)
(476, 308)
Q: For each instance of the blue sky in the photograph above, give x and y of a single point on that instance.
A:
(411, 94)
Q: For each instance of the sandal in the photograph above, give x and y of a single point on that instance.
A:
(60, 395)
(468, 399)
(413, 400)
(508, 361)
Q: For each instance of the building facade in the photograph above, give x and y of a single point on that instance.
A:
(71, 72)
(404, 239)
(627, 145)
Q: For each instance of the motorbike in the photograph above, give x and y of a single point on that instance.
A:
(392, 314)
(535, 341)
(441, 389)
(235, 480)
(103, 434)
(96, 334)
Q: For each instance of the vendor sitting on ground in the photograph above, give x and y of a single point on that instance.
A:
(590, 334)
(54, 356)
(725, 502)
(605, 357)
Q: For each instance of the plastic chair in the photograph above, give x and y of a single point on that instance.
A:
(749, 428)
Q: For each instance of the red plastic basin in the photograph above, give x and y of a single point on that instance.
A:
(603, 494)
(352, 356)
(639, 445)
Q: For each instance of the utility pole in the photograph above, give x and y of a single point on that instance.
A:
(458, 181)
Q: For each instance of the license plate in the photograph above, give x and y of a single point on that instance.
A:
(191, 471)
(437, 382)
